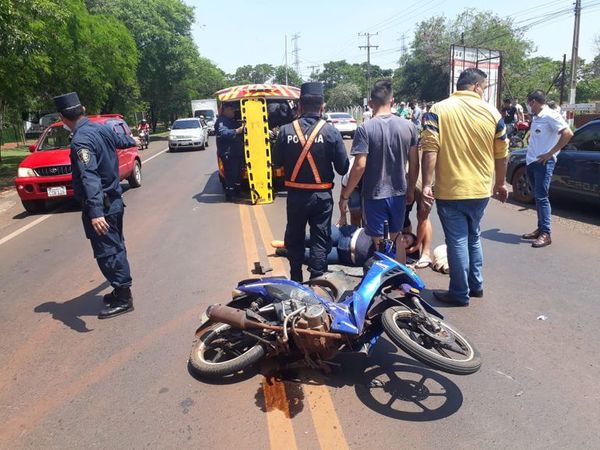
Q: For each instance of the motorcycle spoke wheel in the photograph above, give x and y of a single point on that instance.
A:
(223, 350)
(445, 349)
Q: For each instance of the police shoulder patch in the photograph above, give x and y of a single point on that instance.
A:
(84, 156)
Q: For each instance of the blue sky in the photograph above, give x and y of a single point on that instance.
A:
(236, 32)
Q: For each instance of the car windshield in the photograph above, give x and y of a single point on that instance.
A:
(185, 124)
(208, 114)
(55, 138)
(340, 116)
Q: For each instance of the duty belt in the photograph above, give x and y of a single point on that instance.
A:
(306, 155)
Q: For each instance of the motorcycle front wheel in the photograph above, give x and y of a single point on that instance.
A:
(445, 349)
(222, 350)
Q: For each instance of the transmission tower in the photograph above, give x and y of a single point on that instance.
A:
(403, 50)
(296, 52)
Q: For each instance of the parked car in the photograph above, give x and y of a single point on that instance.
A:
(344, 122)
(46, 173)
(577, 171)
(190, 133)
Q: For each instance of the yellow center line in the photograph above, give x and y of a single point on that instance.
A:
(326, 422)
(279, 424)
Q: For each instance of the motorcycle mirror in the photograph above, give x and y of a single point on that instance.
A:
(32, 148)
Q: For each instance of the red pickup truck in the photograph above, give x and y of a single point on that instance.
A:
(46, 173)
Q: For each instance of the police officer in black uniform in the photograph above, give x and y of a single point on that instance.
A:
(230, 149)
(95, 169)
(310, 149)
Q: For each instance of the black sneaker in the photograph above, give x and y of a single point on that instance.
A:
(477, 294)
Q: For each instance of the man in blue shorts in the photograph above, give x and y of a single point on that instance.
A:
(382, 147)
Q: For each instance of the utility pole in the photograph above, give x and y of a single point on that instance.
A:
(562, 80)
(368, 47)
(286, 62)
(574, 53)
(314, 70)
(296, 52)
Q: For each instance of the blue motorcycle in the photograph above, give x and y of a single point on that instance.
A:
(316, 320)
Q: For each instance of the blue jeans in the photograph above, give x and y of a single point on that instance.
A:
(539, 176)
(460, 220)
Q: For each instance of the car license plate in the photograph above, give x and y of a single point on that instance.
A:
(57, 191)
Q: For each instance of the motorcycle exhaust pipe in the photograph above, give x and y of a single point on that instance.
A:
(232, 316)
(237, 319)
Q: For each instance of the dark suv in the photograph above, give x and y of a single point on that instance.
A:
(577, 171)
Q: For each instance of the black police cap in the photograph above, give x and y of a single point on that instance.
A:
(66, 101)
(313, 88)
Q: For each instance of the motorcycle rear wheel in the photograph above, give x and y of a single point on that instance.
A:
(401, 329)
(222, 351)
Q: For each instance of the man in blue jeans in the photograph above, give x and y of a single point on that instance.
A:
(464, 141)
(548, 134)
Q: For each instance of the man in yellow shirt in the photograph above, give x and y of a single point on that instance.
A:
(464, 141)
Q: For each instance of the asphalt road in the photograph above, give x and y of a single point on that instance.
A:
(68, 380)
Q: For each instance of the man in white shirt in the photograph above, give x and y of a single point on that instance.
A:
(548, 134)
(520, 115)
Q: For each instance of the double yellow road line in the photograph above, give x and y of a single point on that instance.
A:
(325, 420)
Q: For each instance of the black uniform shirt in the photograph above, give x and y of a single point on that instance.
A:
(228, 141)
(327, 149)
(95, 164)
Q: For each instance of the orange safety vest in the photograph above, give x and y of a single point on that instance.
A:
(306, 155)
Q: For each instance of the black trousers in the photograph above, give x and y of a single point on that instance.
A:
(314, 208)
(232, 168)
(109, 250)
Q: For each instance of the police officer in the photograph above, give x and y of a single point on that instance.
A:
(95, 169)
(310, 148)
(230, 149)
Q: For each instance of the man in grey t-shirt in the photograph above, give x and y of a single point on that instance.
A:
(382, 148)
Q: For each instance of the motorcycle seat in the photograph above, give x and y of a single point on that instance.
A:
(337, 284)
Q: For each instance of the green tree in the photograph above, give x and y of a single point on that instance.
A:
(293, 79)
(426, 72)
(343, 95)
(168, 58)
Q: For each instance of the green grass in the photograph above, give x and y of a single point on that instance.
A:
(8, 166)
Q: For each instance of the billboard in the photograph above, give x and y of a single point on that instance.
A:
(489, 61)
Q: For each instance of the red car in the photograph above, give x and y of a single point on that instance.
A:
(46, 173)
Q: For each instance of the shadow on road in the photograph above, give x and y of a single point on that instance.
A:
(386, 382)
(212, 192)
(494, 234)
(567, 208)
(71, 312)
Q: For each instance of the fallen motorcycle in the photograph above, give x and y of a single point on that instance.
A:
(316, 320)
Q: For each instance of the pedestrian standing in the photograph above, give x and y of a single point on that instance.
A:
(416, 115)
(230, 150)
(464, 141)
(381, 149)
(96, 184)
(311, 149)
(548, 134)
(520, 113)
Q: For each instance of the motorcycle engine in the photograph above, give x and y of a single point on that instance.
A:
(314, 317)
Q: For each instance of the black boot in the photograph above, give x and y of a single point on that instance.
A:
(120, 302)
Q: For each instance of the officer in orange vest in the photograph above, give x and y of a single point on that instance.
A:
(311, 149)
